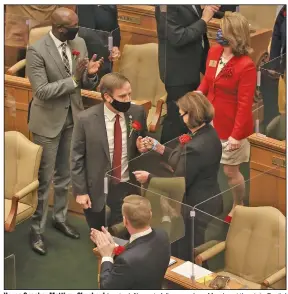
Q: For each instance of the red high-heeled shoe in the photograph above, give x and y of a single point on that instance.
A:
(228, 219)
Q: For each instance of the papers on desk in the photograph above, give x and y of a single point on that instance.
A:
(185, 269)
(172, 261)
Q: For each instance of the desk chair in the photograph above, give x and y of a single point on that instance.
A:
(22, 160)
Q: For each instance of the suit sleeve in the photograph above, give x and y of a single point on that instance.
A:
(144, 131)
(41, 87)
(87, 82)
(179, 35)
(117, 276)
(276, 37)
(245, 96)
(78, 149)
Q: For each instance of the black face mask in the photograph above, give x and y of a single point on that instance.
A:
(120, 106)
(71, 33)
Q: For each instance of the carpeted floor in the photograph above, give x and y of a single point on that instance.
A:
(69, 264)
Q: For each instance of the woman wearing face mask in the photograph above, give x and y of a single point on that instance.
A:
(197, 158)
(229, 83)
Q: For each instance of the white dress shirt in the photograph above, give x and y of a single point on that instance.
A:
(110, 118)
(132, 238)
(58, 45)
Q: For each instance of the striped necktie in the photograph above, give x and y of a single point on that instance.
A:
(65, 59)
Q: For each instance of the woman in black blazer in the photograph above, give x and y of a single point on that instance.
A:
(198, 160)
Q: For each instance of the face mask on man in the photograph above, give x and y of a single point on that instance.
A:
(220, 40)
(71, 33)
(120, 106)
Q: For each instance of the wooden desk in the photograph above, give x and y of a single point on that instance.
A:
(188, 283)
(267, 172)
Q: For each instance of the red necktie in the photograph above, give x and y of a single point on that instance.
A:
(117, 156)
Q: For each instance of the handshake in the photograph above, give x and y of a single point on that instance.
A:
(146, 144)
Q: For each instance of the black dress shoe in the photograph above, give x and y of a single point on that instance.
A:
(66, 230)
(37, 243)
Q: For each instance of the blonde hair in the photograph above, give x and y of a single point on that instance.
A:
(110, 82)
(137, 210)
(235, 29)
(198, 108)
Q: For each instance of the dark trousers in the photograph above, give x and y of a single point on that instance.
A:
(173, 125)
(116, 194)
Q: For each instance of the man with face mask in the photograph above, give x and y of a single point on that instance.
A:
(57, 67)
(103, 139)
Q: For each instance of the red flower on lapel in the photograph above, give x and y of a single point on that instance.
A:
(284, 12)
(183, 139)
(136, 125)
(227, 72)
(118, 250)
(75, 53)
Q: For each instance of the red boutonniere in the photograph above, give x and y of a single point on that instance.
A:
(75, 53)
(227, 72)
(284, 13)
(134, 126)
(118, 250)
(183, 139)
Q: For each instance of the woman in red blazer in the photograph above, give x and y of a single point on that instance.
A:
(229, 83)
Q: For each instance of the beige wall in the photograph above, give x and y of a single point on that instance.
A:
(260, 16)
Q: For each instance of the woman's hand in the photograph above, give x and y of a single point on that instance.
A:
(141, 176)
(233, 144)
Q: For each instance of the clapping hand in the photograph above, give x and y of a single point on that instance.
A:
(80, 68)
(103, 241)
(94, 65)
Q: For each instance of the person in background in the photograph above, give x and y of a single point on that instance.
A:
(142, 263)
(183, 47)
(278, 53)
(56, 77)
(102, 18)
(230, 83)
(197, 158)
(20, 19)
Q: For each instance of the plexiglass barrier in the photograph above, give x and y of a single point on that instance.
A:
(9, 273)
(272, 85)
(249, 247)
(162, 188)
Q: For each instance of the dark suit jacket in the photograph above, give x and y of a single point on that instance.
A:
(90, 158)
(104, 19)
(278, 43)
(181, 55)
(199, 161)
(141, 266)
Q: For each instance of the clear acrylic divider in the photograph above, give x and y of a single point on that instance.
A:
(100, 43)
(9, 273)
(271, 83)
(249, 249)
(164, 189)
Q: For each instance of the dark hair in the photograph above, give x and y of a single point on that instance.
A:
(198, 108)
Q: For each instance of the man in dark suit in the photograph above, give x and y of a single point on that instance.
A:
(103, 139)
(142, 263)
(183, 48)
(56, 77)
(96, 23)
